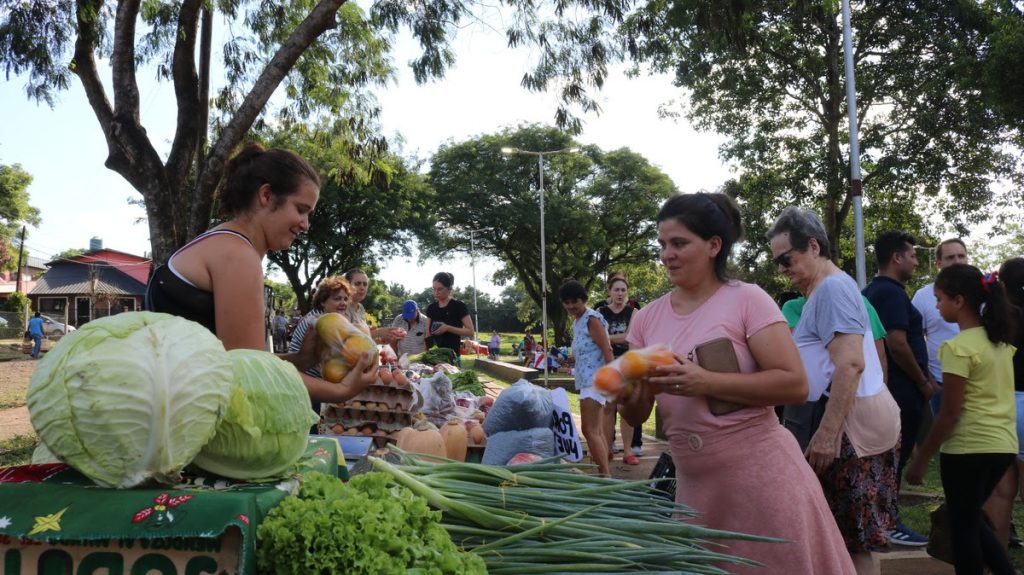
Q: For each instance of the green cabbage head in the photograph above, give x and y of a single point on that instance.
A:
(266, 427)
(131, 397)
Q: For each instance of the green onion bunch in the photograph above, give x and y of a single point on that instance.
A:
(550, 517)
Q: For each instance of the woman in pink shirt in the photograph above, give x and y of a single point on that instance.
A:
(741, 470)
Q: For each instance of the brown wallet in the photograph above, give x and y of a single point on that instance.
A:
(719, 356)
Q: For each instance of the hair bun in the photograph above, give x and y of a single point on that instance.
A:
(731, 211)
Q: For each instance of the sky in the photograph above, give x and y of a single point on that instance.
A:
(64, 150)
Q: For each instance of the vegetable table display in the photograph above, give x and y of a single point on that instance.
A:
(266, 426)
(136, 397)
(547, 517)
(382, 410)
(132, 397)
(371, 525)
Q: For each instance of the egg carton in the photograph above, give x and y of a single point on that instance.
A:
(379, 434)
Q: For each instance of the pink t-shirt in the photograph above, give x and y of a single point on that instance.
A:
(737, 310)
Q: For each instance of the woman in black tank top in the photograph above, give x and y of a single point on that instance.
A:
(217, 278)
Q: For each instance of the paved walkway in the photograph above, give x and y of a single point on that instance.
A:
(900, 561)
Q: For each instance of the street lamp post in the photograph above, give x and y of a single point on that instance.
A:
(472, 263)
(543, 250)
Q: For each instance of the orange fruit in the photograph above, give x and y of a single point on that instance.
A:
(608, 380)
(331, 329)
(633, 365)
(335, 369)
(355, 345)
(661, 356)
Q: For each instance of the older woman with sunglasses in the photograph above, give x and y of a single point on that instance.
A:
(740, 470)
(854, 449)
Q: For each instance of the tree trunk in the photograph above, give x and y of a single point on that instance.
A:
(176, 207)
(834, 181)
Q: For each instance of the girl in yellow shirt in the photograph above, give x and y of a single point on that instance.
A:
(977, 421)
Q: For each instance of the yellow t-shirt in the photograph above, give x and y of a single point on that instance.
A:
(988, 422)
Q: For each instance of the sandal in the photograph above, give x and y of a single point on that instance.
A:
(631, 460)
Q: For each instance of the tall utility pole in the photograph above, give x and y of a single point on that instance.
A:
(856, 188)
(21, 254)
(543, 247)
(472, 260)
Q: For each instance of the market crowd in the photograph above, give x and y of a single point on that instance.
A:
(856, 371)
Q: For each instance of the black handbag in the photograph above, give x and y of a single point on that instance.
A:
(665, 472)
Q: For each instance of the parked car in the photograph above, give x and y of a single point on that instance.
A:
(55, 328)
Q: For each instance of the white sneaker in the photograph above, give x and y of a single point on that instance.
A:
(638, 451)
(616, 448)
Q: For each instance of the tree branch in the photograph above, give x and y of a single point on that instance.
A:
(186, 93)
(122, 63)
(319, 20)
(84, 65)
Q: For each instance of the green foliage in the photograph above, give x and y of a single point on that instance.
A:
(17, 450)
(15, 211)
(1003, 58)
(284, 295)
(768, 76)
(369, 525)
(989, 255)
(16, 303)
(467, 380)
(434, 356)
(599, 209)
(69, 253)
(371, 205)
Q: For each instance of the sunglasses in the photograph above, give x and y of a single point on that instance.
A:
(783, 259)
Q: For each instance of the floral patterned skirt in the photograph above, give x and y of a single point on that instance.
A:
(861, 492)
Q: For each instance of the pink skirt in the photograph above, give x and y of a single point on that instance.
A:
(752, 478)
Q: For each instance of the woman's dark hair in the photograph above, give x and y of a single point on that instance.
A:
(252, 167)
(444, 278)
(352, 273)
(707, 215)
(572, 289)
(617, 277)
(984, 294)
(1011, 273)
(327, 288)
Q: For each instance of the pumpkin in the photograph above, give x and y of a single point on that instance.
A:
(423, 438)
(456, 440)
(477, 434)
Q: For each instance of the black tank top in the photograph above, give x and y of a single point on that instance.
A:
(169, 292)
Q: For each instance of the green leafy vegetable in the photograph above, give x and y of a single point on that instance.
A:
(467, 381)
(130, 397)
(434, 356)
(266, 427)
(370, 525)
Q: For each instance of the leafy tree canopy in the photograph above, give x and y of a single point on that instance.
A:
(769, 76)
(15, 211)
(599, 209)
(323, 53)
(371, 206)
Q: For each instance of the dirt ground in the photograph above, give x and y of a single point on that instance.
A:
(14, 377)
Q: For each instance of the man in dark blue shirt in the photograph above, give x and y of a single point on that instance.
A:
(905, 349)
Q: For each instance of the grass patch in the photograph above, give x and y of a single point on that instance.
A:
(12, 399)
(9, 354)
(17, 450)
